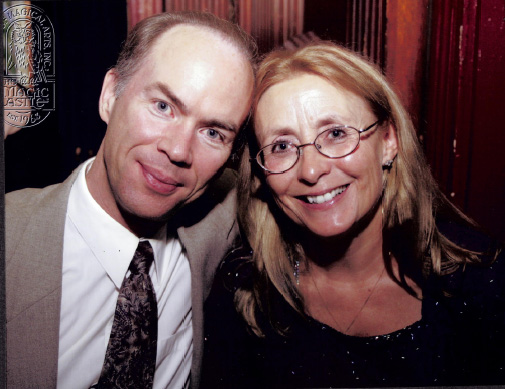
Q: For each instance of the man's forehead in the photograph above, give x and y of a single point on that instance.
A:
(187, 37)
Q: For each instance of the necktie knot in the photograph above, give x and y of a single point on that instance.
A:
(142, 259)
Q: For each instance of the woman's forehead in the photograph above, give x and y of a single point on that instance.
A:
(311, 98)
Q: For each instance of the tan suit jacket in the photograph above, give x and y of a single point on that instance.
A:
(35, 221)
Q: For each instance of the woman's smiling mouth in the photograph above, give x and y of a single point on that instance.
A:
(325, 197)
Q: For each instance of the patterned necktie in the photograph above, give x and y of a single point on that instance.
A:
(131, 353)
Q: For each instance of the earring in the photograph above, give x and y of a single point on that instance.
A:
(388, 165)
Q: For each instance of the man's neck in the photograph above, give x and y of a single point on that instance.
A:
(141, 227)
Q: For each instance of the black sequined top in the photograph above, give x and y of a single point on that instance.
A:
(460, 340)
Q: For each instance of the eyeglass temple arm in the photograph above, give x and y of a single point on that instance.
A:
(369, 127)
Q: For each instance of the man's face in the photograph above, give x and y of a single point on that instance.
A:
(172, 127)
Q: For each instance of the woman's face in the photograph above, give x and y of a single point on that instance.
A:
(327, 196)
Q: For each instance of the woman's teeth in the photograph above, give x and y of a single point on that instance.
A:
(327, 196)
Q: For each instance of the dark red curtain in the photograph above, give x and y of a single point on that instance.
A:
(465, 115)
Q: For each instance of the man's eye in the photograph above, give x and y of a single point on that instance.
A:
(162, 106)
(212, 133)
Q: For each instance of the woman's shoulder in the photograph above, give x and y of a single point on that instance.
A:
(236, 270)
(467, 236)
(477, 288)
(478, 282)
(477, 285)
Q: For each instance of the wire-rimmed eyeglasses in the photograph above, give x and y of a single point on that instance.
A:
(336, 142)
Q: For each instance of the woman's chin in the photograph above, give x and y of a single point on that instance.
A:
(323, 230)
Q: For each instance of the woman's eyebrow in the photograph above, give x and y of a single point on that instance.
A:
(332, 119)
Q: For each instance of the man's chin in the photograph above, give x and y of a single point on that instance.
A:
(159, 217)
(144, 217)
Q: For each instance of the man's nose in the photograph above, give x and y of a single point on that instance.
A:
(312, 164)
(177, 144)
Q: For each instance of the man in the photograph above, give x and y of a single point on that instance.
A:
(173, 106)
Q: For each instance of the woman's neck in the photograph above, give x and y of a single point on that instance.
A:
(355, 255)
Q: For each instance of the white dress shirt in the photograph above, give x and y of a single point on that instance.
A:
(97, 251)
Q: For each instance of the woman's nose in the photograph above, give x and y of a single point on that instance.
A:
(312, 164)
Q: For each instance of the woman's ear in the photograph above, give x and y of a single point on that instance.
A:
(390, 143)
(108, 95)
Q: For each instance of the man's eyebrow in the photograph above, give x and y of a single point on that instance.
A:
(221, 125)
(171, 95)
(185, 109)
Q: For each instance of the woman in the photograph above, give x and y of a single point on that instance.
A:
(359, 271)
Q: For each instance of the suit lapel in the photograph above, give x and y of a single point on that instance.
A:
(33, 286)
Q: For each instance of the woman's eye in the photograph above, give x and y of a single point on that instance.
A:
(337, 133)
(280, 147)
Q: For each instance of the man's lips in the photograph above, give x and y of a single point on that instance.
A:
(158, 181)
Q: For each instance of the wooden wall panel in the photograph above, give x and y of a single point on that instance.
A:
(271, 22)
(366, 28)
(141, 9)
(221, 8)
(406, 41)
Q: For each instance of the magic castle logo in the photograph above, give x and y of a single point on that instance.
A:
(29, 77)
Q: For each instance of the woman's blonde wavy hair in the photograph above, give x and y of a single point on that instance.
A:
(410, 200)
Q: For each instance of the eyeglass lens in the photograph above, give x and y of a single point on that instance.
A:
(333, 143)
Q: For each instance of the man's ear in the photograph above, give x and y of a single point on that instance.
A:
(390, 143)
(108, 95)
